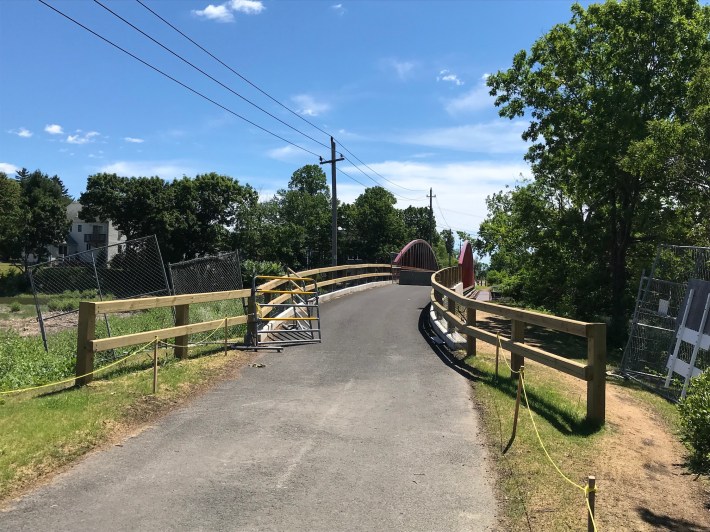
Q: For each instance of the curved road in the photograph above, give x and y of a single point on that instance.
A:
(369, 430)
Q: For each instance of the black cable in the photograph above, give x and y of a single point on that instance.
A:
(235, 72)
(208, 75)
(352, 178)
(442, 214)
(225, 65)
(377, 174)
(376, 182)
(175, 80)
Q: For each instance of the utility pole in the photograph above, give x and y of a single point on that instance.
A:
(334, 200)
(431, 218)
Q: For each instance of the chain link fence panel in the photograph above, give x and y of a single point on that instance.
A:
(126, 270)
(214, 273)
(655, 319)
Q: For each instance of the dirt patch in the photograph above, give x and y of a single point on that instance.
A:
(642, 482)
(30, 326)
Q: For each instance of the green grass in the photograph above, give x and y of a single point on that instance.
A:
(533, 492)
(6, 267)
(40, 434)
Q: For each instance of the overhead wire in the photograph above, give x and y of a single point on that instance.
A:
(442, 214)
(209, 76)
(284, 106)
(194, 91)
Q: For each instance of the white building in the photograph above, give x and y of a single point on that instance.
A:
(85, 236)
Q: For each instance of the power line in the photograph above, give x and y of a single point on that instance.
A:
(225, 65)
(262, 91)
(352, 178)
(194, 91)
(377, 183)
(208, 75)
(442, 214)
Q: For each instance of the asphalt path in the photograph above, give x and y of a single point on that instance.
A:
(369, 430)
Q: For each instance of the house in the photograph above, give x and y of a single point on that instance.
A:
(85, 236)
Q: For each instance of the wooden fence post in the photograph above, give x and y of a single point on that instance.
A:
(85, 333)
(471, 340)
(182, 317)
(596, 358)
(451, 307)
(517, 334)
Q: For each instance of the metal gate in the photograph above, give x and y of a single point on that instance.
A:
(286, 315)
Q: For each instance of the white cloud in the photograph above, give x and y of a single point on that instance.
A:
(307, 105)
(446, 75)
(217, 13)
(164, 169)
(460, 187)
(89, 136)
(403, 69)
(499, 136)
(474, 100)
(289, 154)
(250, 7)
(133, 140)
(22, 132)
(338, 8)
(225, 12)
(8, 168)
(54, 129)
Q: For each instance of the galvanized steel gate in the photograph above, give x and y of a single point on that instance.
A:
(286, 316)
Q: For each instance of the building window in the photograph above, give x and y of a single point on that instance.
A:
(88, 247)
(78, 228)
(62, 250)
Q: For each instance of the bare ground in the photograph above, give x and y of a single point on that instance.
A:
(642, 482)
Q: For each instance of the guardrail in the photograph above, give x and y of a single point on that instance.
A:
(593, 372)
(88, 345)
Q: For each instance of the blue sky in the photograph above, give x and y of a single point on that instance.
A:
(399, 83)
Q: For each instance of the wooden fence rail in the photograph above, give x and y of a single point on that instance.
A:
(88, 345)
(593, 372)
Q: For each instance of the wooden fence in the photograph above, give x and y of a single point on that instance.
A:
(88, 345)
(594, 371)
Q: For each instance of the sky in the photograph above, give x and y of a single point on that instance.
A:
(400, 85)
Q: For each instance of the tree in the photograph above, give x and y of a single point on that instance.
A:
(44, 222)
(12, 220)
(305, 224)
(447, 235)
(594, 88)
(378, 226)
(419, 223)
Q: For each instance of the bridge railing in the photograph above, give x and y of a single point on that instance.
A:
(446, 302)
(88, 345)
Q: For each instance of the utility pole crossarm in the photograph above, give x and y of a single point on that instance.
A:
(334, 200)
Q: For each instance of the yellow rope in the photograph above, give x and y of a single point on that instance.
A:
(79, 376)
(585, 488)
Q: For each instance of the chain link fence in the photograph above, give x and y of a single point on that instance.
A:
(655, 319)
(121, 271)
(214, 273)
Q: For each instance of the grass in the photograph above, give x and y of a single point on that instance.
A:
(6, 267)
(535, 496)
(40, 434)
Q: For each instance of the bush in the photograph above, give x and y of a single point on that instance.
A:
(62, 305)
(695, 421)
(15, 307)
(252, 268)
(13, 283)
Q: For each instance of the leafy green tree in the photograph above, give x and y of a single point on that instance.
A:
(419, 223)
(447, 235)
(595, 88)
(11, 217)
(305, 218)
(43, 202)
(378, 226)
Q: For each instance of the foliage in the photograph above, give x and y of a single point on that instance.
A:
(695, 421)
(37, 215)
(447, 236)
(13, 283)
(419, 223)
(600, 90)
(15, 307)
(252, 268)
(377, 225)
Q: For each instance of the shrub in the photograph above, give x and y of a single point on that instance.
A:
(695, 421)
(15, 307)
(252, 268)
(12, 283)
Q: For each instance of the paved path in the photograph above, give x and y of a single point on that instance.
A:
(367, 431)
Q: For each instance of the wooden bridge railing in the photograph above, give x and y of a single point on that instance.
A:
(593, 372)
(88, 345)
